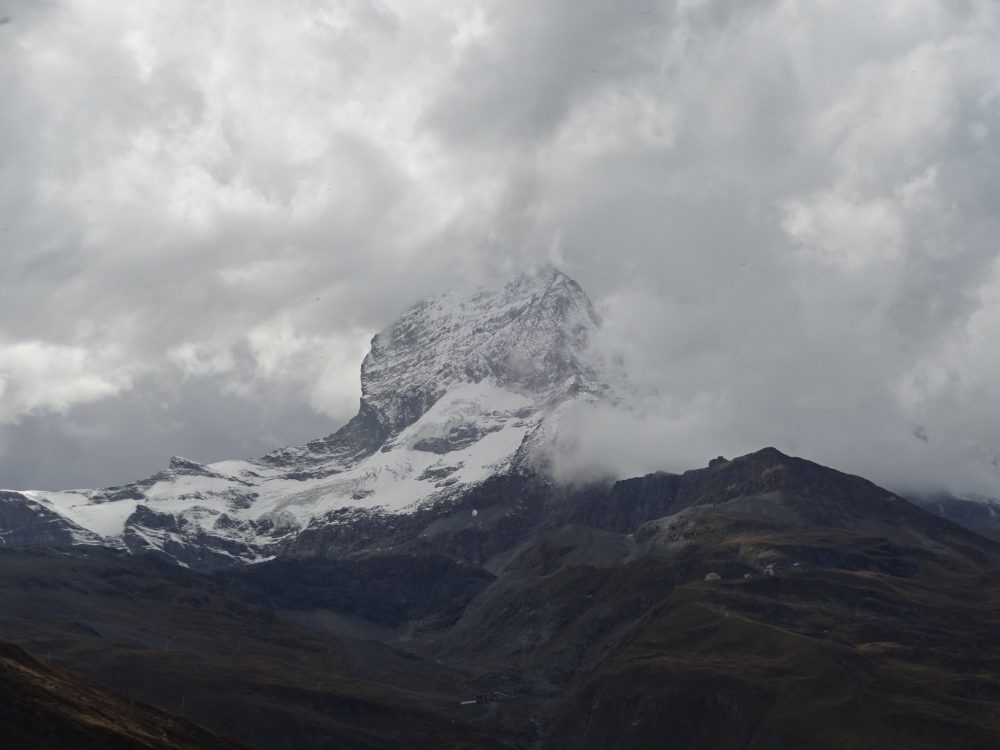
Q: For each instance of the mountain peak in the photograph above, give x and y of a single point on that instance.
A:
(462, 388)
(528, 333)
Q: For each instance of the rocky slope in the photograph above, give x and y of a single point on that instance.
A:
(762, 602)
(231, 653)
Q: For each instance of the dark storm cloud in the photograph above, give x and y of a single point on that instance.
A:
(786, 213)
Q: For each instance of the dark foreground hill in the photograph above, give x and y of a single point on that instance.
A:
(764, 602)
(44, 707)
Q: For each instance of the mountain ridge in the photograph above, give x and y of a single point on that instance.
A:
(418, 579)
(461, 387)
(777, 601)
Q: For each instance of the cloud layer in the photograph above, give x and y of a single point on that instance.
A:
(785, 211)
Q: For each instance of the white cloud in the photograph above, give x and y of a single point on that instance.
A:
(845, 231)
(35, 376)
(202, 358)
(323, 367)
(781, 207)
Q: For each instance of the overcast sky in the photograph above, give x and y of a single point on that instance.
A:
(787, 213)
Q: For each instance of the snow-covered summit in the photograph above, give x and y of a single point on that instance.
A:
(462, 387)
(528, 334)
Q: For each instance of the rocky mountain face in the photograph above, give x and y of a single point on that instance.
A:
(462, 388)
(418, 581)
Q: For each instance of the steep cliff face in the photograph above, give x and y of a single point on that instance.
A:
(461, 388)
